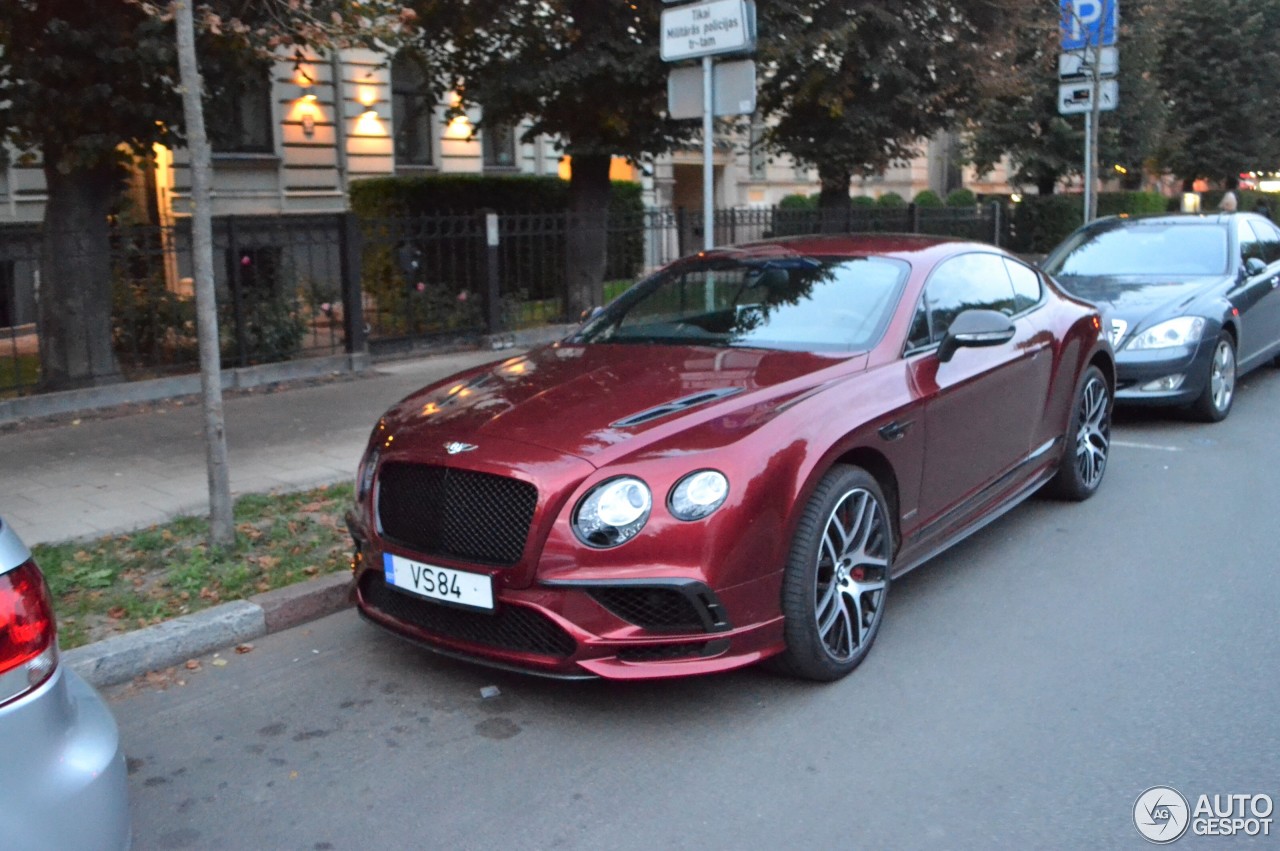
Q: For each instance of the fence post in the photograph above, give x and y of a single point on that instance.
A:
(996, 224)
(492, 293)
(913, 216)
(237, 300)
(355, 339)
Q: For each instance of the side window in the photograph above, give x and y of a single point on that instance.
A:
(1268, 239)
(1250, 245)
(967, 282)
(918, 336)
(1026, 285)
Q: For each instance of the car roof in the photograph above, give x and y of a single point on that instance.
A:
(1178, 218)
(903, 246)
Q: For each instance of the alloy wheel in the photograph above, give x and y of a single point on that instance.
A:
(1222, 375)
(852, 574)
(1093, 439)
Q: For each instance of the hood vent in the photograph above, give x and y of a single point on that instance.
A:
(675, 406)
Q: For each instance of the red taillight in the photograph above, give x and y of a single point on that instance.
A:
(28, 652)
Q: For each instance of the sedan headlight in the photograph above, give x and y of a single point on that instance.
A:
(698, 494)
(613, 512)
(1182, 331)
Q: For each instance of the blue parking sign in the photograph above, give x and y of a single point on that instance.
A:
(1089, 23)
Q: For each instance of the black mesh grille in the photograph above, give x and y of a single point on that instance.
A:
(652, 608)
(459, 514)
(507, 628)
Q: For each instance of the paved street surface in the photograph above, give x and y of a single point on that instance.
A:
(1025, 689)
(108, 475)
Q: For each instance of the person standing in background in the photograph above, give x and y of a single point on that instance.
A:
(1229, 202)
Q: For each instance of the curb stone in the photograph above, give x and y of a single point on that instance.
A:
(123, 657)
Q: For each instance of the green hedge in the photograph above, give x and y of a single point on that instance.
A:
(1042, 221)
(927, 198)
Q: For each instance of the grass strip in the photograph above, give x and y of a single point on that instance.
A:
(121, 583)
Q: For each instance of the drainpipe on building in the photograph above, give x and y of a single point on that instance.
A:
(339, 122)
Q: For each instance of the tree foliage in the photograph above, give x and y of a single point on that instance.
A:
(851, 87)
(86, 87)
(587, 72)
(1220, 70)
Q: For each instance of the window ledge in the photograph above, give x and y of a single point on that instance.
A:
(246, 159)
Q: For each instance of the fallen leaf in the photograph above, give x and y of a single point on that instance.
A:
(244, 648)
(193, 664)
(219, 663)
(293, 775)
(311, 570)
(116, 612)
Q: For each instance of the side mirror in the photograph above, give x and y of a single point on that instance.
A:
(1254, 266)
(974, 328)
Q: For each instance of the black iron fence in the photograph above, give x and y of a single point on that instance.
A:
(298, 286)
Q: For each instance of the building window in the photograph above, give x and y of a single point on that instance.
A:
(499, 143)
(412, 108)
(239, 116)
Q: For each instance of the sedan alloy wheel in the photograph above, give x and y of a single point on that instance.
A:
(1219, 391)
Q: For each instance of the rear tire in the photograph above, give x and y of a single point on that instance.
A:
(837, 576)
(1089, 434)
(1219, 392)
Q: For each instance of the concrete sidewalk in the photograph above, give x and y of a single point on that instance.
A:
(119, 473)
(115, 474)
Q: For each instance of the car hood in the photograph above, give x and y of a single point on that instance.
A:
(1134, 297)
(584, 400)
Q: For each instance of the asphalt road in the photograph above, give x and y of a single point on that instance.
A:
(1026, 687)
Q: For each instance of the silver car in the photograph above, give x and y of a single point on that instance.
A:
(63, 781)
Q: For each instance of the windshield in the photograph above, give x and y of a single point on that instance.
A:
(1134, 248)
(797, 303)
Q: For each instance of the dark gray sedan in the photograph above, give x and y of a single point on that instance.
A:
(1191, 301)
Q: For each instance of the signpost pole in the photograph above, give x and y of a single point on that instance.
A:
(708, 168)
(1088, 166)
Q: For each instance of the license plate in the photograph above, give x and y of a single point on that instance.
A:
(439, 583)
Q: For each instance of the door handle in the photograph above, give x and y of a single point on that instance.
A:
(895, 429)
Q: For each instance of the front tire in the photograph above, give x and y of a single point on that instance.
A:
(1219, 392)
(837, 576)
(1085, 459)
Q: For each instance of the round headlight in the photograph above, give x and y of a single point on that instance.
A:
(613, 512)
(698, 494)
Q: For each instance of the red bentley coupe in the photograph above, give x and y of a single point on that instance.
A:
(732, 461)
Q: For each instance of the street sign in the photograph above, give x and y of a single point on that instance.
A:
(733, 89)
(1076, 98)
(1089, 23)
(1079, 64)
(708, 29)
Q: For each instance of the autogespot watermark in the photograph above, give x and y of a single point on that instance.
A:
(1162, 815)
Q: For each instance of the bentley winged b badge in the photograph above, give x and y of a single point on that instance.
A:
(453, 447)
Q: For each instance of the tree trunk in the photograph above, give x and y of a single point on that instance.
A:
(587, 240)
(222, 532)
(75, 278)
(1046, 184)
(833, 199)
